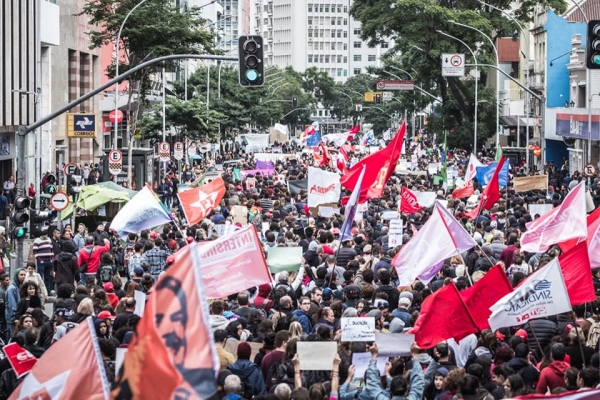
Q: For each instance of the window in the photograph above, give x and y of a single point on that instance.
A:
(321, 46)
(345, 10)
(357, 45)
(310, 33)
(339, 20)
(321, 32)
(320, 113)
(310, 6)
(345, 34)
(320, 7)
(266, 7)
(357, 31)
(345, 46)
(266, 21)
(332, 21)
(326, 8)
(372, 57)
(321, 21)
(345, 21)
(339, 34)
(333, 46)
(327, 59)
(356, 71)
(385, 45)
(345, 71)
(310, 20)
(310, 58)
(339, 72)
(321, 58)
(339, 59)
(357, 57)
(339, 8)
(345, 60)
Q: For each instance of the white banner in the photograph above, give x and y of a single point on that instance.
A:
(257, 139)
(542, 294)
(323, 187)
(426, 199)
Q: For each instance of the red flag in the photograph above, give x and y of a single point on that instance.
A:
(355, 129)
(62, 373)
(563, 223)
(576, 270)
(325, 160)
(171, 354)
(443, 316)
(380, 166)
(408, 202)
(342, 160)
(484, 294)
(309, 131)
(491, 193)
(198, 202)
(20, 359)
(464, 191)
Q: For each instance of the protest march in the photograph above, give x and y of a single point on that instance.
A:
(336, 267)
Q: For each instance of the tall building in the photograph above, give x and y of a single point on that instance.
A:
(232, 23)
(314, 33)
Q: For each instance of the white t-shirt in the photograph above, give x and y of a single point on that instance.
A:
(63, 328)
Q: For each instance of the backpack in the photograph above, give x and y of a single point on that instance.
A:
(283, 323)
(127, 254)
(277, 373)
(593, 333)
(106, 273)
(70, 326)
(246, 390)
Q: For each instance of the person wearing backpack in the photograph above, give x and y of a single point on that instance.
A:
(89, 257)
(63, 324)
(272, 360)
(248, 372)
(128, 252)
(107, 268)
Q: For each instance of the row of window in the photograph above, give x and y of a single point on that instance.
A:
(323, 20)
(327, 8)
(326, 58)
(327, 46)
(327, 33)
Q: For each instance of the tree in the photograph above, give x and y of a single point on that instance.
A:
(189, 119)
(420, 48)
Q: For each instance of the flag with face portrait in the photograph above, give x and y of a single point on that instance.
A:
(172, 355)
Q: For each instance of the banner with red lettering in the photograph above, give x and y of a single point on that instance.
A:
(232, 263)
(323, 187)
(409, 203)
(20, 359)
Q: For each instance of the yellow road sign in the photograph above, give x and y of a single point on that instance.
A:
(370, 96)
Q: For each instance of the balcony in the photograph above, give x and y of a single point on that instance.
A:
(537, 81)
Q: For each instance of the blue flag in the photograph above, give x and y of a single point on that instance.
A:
(350, 211)
(485, 173)
(314, 139)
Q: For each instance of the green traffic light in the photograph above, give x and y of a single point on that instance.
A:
(251, 75)
(20, 232)
(596, 59)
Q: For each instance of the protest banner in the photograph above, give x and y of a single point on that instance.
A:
(394, 344)
(526, 183)
(19, 359)
(358, 329)
(316, 356)
(284, 259)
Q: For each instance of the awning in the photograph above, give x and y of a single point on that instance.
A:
(513, 121)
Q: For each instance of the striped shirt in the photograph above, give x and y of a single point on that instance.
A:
(43, 249)
(266, 204)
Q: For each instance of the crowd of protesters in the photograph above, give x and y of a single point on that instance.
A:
(97, 274)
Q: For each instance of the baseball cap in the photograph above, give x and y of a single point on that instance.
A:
(106, 315)
(139, 271)
(352, 292)
(284, 276)
(404, 301)
(64, 312)
(153, 235)
(108, 286)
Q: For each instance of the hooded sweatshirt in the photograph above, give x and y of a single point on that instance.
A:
(262, 298)
(12, 298)
(552, 376)
(249, 373)
(65, 268)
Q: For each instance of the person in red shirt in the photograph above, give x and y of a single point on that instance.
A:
(553, 375)
(31, 191)
(88, 260)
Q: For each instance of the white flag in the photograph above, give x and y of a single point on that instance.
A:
(323, 187)
(542, 294)
(472, 168)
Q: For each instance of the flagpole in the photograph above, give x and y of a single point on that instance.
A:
(535, 337)
(578, 341)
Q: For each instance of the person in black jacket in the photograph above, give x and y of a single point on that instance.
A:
(345, 254)
(522, 367)
(545, 330)
(65, 266)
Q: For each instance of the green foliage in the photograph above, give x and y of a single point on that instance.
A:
(189, 119)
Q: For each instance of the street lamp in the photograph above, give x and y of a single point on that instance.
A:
(497, 77)
(476, 84)
(414, 96)
(526, 36)
(117, 70)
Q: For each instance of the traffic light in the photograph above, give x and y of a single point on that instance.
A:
(73, 187)
(294, 102)
(250, 48)
(20, 217)
(39, 223)
(50, 184)
(377, 98)
(593, 45)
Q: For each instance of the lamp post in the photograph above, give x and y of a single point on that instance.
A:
(114, 146)
(37, 146)
(414, 97)
(476, 84)
(527, 59)
(497, 77)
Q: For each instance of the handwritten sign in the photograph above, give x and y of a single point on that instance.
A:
(358, 329)
(361, 363)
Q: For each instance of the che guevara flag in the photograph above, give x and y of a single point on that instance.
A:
(71, 368)
(171, 355)
(198, 202)
(380, 166)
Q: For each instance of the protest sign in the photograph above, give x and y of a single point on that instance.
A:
(240, 214)
(394, 344)
(358, 329)
(525, 183)
(361, 363)
(395, 233)
(119, 358)
(316, 356)
(140, 302)
(284, 259)
(540, 209)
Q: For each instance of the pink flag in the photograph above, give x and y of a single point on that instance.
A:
(440, 238)
(565, 222)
